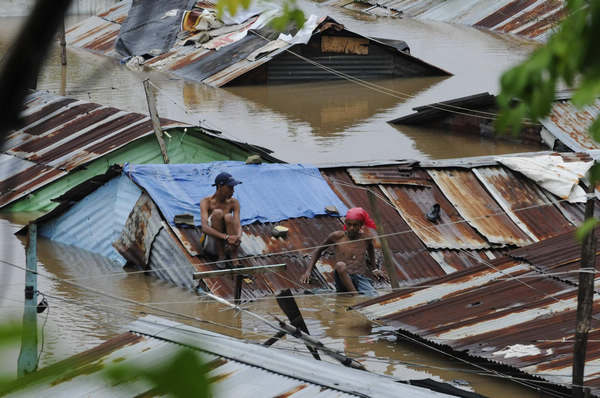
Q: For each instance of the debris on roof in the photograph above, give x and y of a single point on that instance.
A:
(186, 39)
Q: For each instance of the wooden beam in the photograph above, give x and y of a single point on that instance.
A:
(243, 270)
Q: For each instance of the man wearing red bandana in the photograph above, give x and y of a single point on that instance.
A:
(354, 254)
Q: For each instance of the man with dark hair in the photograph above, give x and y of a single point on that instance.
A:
(220, 215)
(350, 246)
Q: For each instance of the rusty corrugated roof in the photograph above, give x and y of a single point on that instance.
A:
(534, 19)
(60, 134)
(475, 205)
(519, 311)
(219, 55)
(524, 202)
(570, 124)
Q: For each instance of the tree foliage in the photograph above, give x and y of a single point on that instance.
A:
(570, 57)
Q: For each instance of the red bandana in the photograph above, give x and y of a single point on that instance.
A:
(360, 214)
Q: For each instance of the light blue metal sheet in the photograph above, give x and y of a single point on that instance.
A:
(268, 193)
(97, 220)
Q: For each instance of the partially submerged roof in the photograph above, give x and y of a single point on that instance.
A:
(566, 123)
(519, 311)
(479, 220)
(533, 19)
(61, 135)
(186, 39)
(235, 368)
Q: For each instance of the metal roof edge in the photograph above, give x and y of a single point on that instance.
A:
(330, 375)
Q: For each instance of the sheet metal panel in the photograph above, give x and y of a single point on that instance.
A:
(450, 231)
(169, 263)
(458, 260)
(570, 124)
(394, 303)
(527, 18)
(236, 368)
(413, 261)
(95, 34)
(524, 202)
(476, 206)
(61, 134)
(96, 221)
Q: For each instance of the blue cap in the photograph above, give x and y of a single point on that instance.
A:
(225, 178)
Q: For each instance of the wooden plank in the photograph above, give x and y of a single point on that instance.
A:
(345, 45)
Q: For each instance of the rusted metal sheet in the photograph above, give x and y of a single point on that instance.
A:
(532, 19)
(399, 174)
(218, 55)
(413, 261)
(458, 260)
(519, 318)
(524, 203)
(61, 134)
(476, 206)
(570, 124)
(449, 231)
(142, 226)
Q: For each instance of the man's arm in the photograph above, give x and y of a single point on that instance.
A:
(317, 254)
(236, 222)
(204, 203)
(378, 273)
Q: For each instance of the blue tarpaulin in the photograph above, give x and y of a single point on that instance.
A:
(268, 193)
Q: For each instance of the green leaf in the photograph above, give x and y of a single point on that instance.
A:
(594, 130)
(594, 174)
(585, 228)
(587, 93)
(184, 375)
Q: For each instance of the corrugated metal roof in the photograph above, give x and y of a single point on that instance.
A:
(476, 206)
(450, 231)
(570, 124)
(523, 202)
(413, 261)
(242, 46)
(236, 368)
(61, 134)
(523, 319)
(534, 19)
(96, 221)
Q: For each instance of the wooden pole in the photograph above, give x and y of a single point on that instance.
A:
(585, 298)
(155, 120)
(28, 357)
(63, 43)
(387, 253)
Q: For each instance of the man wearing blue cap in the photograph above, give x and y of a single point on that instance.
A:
(220, 214)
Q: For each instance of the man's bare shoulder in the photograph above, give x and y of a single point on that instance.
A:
(336, 236)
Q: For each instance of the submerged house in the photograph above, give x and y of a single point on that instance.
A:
(515, 314)
(187, 39)
(234, 368)
(477, 220)
(65, 141)
(565, 129)
(532, 19)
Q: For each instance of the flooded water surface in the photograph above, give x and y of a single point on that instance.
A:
(325, 122)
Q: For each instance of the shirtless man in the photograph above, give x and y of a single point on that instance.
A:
(350, 247)
(220, 215)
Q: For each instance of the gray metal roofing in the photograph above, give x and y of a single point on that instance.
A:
(237, 368)
(534, 19)
(508, 311)
(235, 42)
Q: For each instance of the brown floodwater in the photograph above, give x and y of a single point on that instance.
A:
(316, 122)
